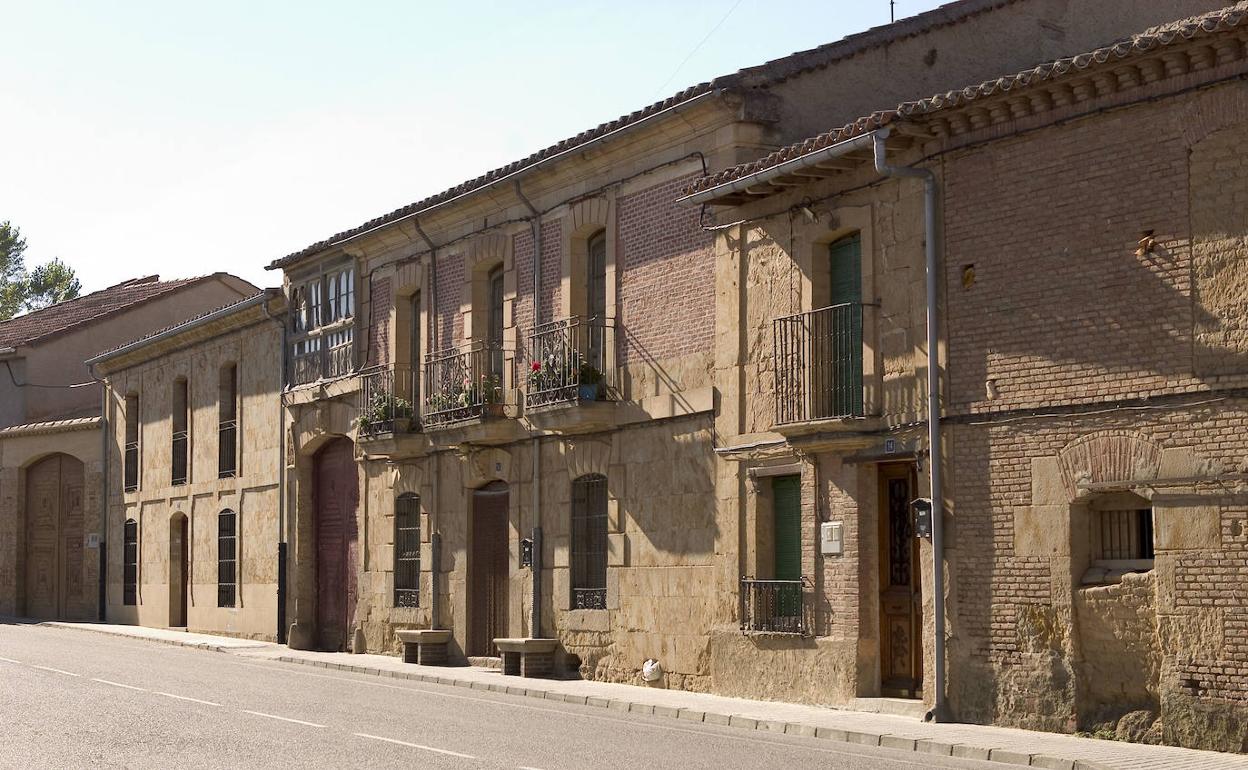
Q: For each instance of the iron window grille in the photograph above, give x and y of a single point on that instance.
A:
(589, 543)
(227, 558)
(180, 442)
(130, 563)
(132, 444)
(1123, 539)
(407, 551)
(181, 439)
(774, 606)
(227, 423)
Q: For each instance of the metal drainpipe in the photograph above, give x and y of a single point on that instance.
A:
(435, 538)
(930, 201)
(102, 610)
(283, 484)
(535, 620)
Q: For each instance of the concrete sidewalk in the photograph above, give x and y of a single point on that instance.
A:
(998, 744)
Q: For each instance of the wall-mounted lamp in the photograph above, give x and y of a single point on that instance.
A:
(1146, 244)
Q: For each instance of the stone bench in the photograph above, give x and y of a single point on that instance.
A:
(425, 646)
(527, 657)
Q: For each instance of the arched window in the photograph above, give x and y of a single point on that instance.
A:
(589, 543)
(407, 551)
(130, 563)
(227, 558)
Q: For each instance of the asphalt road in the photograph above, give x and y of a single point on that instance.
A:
(76, 699)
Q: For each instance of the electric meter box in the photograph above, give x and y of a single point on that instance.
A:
(832, 538)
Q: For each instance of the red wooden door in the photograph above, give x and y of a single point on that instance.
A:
(54, 535)
(337, 496)
(487, 569)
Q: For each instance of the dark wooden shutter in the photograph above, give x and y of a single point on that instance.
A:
(786, 495)
(845, 271)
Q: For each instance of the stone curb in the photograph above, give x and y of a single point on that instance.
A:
(882, 740)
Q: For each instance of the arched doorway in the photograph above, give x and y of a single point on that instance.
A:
(54, 539)
(488, 569)
(179, 561)
(336, 497)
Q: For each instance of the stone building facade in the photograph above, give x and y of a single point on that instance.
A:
(51, 457)
(1091, 286)
(435, 417)
(193, 494)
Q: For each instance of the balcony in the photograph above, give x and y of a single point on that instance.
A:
(322, 355)
(775, 607)
(389, 420)
(571, 363)
(464, 392)
(819, 366)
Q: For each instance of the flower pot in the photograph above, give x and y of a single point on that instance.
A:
(588, 392)
(491, 410)
(402, 424)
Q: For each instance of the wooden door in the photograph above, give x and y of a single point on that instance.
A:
(337, 497)
(488, 569)
(54, 535)
(901, 599)
(178, 573)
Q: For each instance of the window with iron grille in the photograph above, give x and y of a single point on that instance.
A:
(130, 563)
(227, 423)
(132, 443)
(589, 543)
(181, 418)
(1122, 538)
(227, 558)
(407, 551)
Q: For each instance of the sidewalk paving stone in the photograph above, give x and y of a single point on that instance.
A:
(1009, 746)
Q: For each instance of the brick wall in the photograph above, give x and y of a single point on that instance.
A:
(450, 292)
(379, 322)
(666, 276)
(1065, 312)
(552, 267)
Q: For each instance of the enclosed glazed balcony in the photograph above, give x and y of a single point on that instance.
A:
(819, 365)
(322, 355)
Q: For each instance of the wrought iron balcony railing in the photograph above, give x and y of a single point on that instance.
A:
(463, 384)
(389, 399)
(818, 360)
(569, 360)
(132, 466)
(227, 449)
(774, 606)
(179, 457)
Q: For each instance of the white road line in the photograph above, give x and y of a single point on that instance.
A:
(119, 684)
(416, 746)
(183, 697)
(10, 660)
(55, 670)
(284, 719)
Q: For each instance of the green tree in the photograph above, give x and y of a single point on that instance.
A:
(21, 290)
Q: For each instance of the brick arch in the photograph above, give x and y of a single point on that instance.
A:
(1108, 456)
(486, 251)
(1213, 111)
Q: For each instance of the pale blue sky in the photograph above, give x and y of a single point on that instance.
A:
(175, 138)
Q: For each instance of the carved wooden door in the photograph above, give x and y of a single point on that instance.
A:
(54, 539)
(901, 599)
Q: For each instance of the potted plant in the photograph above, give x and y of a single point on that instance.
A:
(589, 386)
(382, 408)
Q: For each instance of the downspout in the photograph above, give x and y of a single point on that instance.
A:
(535, 620)
(930, 202)
(102, 610)
(283, 485)
(435, 537)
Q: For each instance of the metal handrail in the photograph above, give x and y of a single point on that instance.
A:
(774, 606)
(570, 359)
(390, 393)
(463, 383)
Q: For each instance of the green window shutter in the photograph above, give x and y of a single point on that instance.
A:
(786, 496)
(845, 266)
